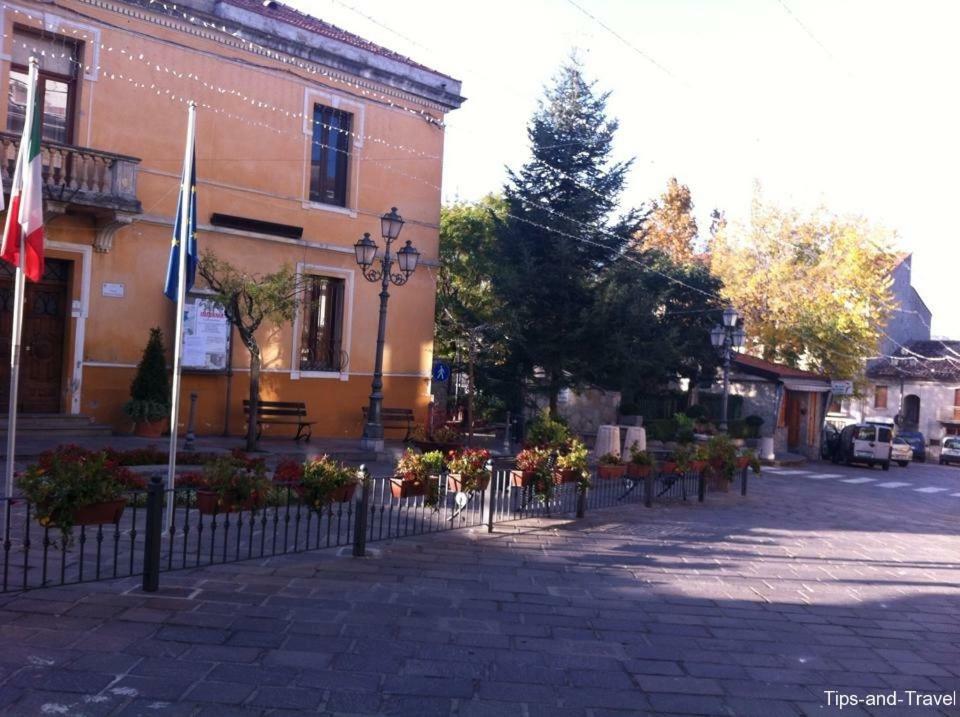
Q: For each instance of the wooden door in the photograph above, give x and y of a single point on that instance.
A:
(45, 307)
(793, 419)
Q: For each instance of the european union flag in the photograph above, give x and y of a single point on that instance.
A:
(173, 266)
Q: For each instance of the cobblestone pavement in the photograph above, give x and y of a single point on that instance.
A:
(740, 606)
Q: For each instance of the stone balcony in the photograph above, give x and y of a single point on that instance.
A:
(80, 180)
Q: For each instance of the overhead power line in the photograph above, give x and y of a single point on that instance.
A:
(645, 55)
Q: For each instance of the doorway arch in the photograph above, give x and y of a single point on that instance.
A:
(910, 418)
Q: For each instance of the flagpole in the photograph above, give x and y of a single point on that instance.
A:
(18, 289)
(186, 190)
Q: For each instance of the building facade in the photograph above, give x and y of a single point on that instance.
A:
(918, 387)
(915, 381)
(791, 402)
(306, 134)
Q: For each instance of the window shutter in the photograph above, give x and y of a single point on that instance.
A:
(337, 320)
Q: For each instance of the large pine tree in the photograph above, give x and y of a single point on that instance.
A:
(561, 232)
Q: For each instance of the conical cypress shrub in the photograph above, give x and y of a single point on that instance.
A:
(150, 390)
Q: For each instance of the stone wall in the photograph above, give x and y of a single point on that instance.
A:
(585, 410)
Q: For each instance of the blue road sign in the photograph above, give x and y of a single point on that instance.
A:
(441, 372)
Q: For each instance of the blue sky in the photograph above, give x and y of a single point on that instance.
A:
(847, 103)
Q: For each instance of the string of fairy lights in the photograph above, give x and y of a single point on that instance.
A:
(259, 104)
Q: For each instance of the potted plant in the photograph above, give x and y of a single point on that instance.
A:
(610, 467)
(533, 470)
(722, 457)
(701, 460)
(70, 486)
(417, 474)
(641, 463)
(326, 481)
(684, 456)
(231, 483)
(468, 470)
(149, 404)
(748, 459)
(571, 462)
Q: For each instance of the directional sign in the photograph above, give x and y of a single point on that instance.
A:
(842, 388)
(441, 372)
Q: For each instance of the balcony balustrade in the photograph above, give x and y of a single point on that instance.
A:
(80, 180)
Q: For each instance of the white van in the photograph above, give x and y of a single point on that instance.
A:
(864, 443)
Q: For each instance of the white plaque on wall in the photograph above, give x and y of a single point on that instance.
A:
(112, 290)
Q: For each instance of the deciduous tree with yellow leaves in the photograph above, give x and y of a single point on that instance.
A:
(814, 289)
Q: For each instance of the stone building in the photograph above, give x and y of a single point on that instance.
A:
(791, 402)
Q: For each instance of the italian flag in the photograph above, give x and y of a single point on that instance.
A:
(25, 216)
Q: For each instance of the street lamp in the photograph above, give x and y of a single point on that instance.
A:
(406, 259)
(726, 338)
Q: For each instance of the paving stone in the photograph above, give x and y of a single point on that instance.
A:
(428, 686)
(292, 698)
(166, 688)
(224, 693)
(55, 680)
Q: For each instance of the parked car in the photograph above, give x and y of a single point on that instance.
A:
(901, 452)
(917, 442)
(950, 450)
(828, 440)
(865, 443)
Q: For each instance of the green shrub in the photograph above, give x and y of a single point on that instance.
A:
(321, 477)
(546, 431)
(150, 390)
(661, 429)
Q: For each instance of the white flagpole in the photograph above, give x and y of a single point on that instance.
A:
(18, 287)
(186, 191)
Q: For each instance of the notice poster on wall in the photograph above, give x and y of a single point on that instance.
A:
(206, 335)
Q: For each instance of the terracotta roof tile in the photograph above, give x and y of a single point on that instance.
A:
(752, 362)
(908, 364)
(292, 16)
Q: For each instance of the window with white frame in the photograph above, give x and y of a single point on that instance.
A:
(321, 338)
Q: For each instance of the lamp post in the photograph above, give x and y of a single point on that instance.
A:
(726, 338)
(406, 259)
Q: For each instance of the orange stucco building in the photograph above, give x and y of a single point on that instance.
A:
(305, 136)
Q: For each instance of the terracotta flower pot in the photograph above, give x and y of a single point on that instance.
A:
(210, 502)
(523, 479)
(608, 472)
(97, 513)
(567, 475)
(150, 429)
(455, 482)
(742, 462)
(668, 467)
(403, 488)
(635, 470)
(698, 466)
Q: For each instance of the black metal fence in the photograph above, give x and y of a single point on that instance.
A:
(163, 530)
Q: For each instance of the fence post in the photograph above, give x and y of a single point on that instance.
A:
(581, 497)
(743, 481)
(151, 544)
(648, 488)
(360, 524)
(701, 486)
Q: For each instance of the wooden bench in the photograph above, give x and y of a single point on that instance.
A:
(394, 418)
(289, 413)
